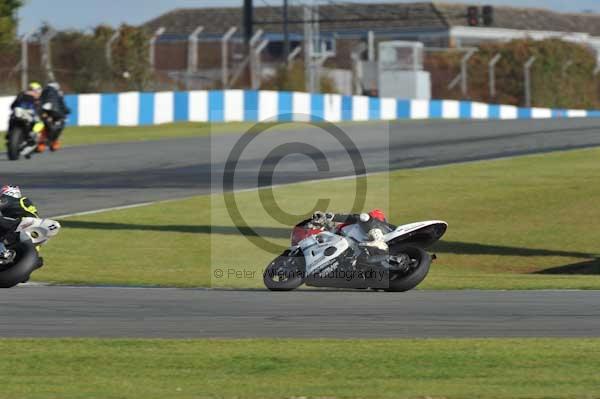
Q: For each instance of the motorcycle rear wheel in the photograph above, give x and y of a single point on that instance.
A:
(407, 281)
(284, 273)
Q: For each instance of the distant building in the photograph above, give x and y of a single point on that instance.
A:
(343, 27)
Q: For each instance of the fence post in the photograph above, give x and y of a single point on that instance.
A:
(108, 49)
(371, 48)
(193, 49)
(259, 50)
(566, 66)
(319, 64)
(225, 55)
(252, 56)
(25, 61)
(47, 53)
(492, 74)
(309, 43)
(155, 37)
(526, 70)
(292, 56)
(463, 71)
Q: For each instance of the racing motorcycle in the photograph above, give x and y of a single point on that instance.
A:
(22, 134)
(22, 257)
(334, 255)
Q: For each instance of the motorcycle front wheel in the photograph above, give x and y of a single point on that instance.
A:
(284, 273)
(14, 140)
(407, 280)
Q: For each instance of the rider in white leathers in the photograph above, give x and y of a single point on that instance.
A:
(370, 222)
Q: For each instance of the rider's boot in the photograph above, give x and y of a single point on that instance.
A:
(55, 145)
(377, 241)
(375, 251)
(41, 147)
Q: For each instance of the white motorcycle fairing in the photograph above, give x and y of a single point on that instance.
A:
(37, 230)
(340, 259)
(428, 232)
(321, 250)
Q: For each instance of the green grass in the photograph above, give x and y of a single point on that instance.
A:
(164, 244)
(521, 223)
(87, 135)
(268, 368)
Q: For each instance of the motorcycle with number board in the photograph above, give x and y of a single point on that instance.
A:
(23, 253)
(326, 254)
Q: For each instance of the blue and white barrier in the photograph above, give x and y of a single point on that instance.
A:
(137, 108)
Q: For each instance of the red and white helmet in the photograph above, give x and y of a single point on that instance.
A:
(11, 191)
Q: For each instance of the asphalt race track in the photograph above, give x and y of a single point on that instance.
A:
(95, 177)
(92, 177)
(188, 313)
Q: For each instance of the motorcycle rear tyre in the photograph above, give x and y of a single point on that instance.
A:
(410, 281)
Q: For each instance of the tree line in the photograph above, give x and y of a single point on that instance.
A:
(564, 74)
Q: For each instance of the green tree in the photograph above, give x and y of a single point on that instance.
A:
(293, 79)
(131, 63)
(9, 48)
(8, 20)
(551, 85)
(80, 62)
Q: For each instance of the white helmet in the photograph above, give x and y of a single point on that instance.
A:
(11, 191)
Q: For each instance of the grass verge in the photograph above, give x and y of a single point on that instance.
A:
(520, 223)
(277, 368)
(89, 135)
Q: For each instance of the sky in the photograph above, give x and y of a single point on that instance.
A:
(85, 14)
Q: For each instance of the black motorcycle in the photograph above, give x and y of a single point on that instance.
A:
(19, 257)
(21, 140)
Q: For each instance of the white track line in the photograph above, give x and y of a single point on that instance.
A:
(34, 284)
(116, 208)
